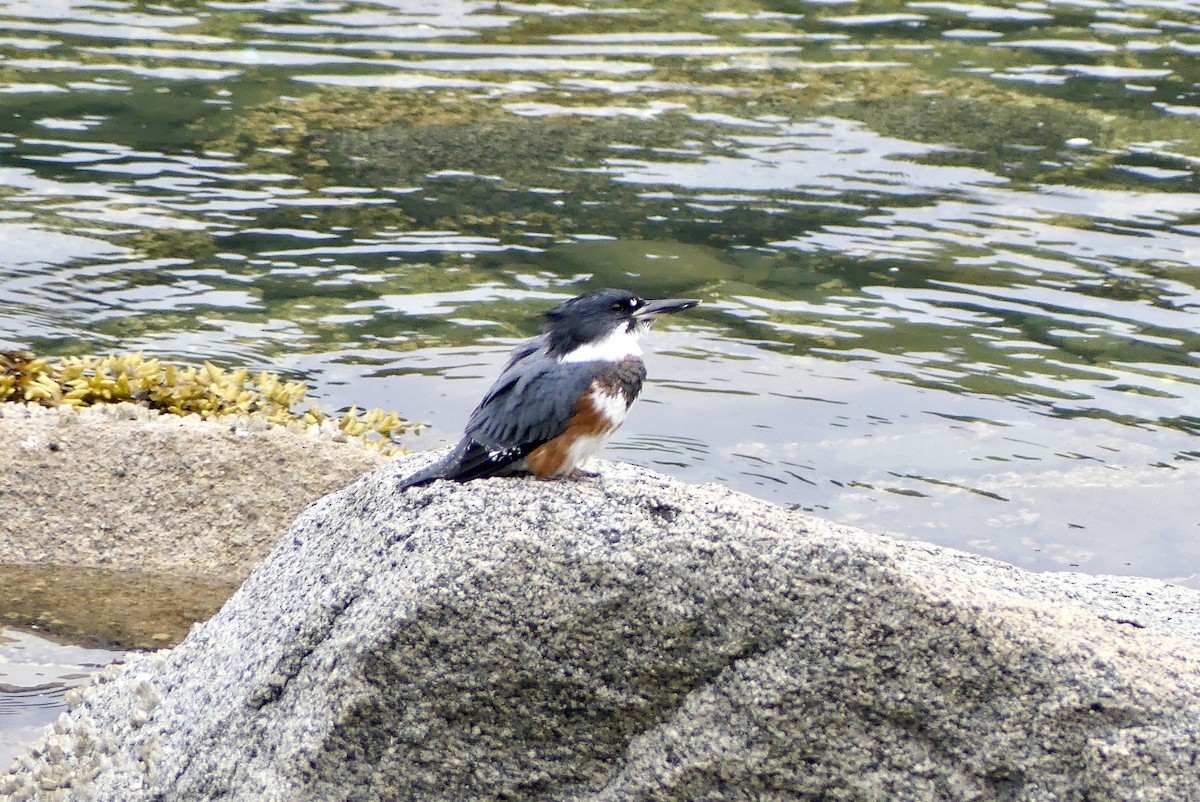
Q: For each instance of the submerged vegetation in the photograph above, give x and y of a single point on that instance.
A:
(985, 212)
(208, 391)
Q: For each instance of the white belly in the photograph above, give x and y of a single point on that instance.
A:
(613, 408)
(582, 450)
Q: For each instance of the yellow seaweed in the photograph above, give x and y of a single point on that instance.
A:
(208, 391)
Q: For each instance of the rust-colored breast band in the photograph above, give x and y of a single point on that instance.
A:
(549, 459)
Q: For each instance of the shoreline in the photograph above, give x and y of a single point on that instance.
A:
(124, 525)
(122, 487)
(630, 632)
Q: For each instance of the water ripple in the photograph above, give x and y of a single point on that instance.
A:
(947, 252)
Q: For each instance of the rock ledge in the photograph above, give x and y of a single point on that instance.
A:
(633, 637)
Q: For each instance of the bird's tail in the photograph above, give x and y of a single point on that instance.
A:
(442, 469)
(469, 460)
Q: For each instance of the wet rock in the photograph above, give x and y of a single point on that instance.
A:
(518, 639)
(128, 488)
(138, 524)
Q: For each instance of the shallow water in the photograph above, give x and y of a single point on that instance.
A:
(35, 675)
(948, 252)
(948, 260)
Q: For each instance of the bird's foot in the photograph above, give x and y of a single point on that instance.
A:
(576, 475)
(580, 473)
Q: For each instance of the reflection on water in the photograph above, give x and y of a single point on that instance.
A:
(949, 252)
(35, 675)
(104, 612)
(102, 607)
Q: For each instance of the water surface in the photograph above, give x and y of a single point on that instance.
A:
(948, 252)
(35, 675)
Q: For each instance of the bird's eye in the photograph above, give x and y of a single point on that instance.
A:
(618, 307)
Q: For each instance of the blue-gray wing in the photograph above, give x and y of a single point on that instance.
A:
(531, 402)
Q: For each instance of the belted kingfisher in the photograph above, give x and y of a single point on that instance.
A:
(562, 393)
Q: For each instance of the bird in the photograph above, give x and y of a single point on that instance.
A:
(561, 394)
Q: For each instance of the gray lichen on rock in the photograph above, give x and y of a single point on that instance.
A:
(633, 637)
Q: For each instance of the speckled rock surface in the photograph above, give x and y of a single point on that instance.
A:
(632, 637)
(121, 486)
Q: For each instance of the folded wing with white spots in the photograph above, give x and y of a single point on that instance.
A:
(530, 403)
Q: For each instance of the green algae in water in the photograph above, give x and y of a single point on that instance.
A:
(1013, 284)
(1005, 138)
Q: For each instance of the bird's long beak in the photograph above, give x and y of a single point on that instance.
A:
(654, 309)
